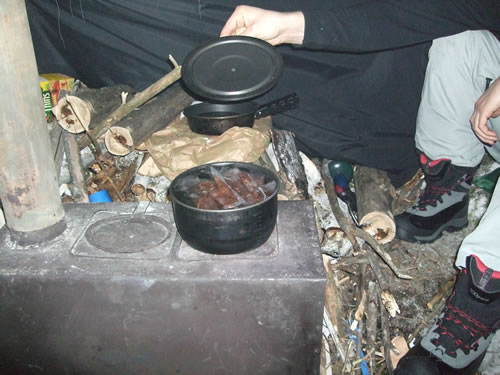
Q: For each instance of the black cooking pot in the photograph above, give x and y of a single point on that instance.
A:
(228, 231)
(216, 118)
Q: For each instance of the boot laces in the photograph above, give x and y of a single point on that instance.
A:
(459, 330)
(432, 195)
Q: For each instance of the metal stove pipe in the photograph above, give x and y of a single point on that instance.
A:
(29, 189)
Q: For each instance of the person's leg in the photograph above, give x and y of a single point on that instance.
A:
(463, 331)
(459, 68)
(472, 314)
(484, 242)
(457, 74)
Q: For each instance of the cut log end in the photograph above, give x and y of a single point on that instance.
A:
(73, 114)
(119, 141)
(380, 225)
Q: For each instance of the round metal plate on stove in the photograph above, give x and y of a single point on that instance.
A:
(128, 233)
(232, 68)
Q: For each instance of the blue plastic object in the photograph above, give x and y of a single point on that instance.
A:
(100, 197)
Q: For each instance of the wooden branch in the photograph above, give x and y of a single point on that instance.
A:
(430, 317)
(374, 194)
(289, 161)
(380, 252)
(407, 194)
(125, 177)
(379, 275)
(78, 189)
(371, 322)
(361, 293)
(139, 125)
(442, 293)
(386, 338)
(333, 302)
(335, 337)
(138, 100)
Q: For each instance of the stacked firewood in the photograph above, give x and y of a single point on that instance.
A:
(360, 330)
(115, 121)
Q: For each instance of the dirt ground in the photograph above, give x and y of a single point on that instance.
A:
(431, 266)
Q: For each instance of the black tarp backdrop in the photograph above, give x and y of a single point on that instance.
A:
(357, 107)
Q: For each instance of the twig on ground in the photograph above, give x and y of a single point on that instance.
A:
(361, 294)
(441, 294)
(380, 252)
(368, 356)
(386, 337)
(379, 275)
(334, 335)
(371, 323)
(432, 315)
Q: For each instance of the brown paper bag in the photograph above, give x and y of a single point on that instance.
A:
(176, 148)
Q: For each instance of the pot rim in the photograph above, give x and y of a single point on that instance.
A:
(222, 164)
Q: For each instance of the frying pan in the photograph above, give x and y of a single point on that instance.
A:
(216, 118)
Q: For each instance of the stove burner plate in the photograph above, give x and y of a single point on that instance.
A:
(128, 233)
(232, 68)
(268, 249)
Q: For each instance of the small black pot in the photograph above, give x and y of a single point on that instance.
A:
(216, 118)
(228, 231)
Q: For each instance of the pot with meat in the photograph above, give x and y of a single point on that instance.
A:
(225, 207)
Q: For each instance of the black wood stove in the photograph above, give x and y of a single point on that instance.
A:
(120, 293)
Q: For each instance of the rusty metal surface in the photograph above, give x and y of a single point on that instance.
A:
(166, 309)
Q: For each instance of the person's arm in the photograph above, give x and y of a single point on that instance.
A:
(387, 24)
(487, 106)
(273, 27)
(365, 26)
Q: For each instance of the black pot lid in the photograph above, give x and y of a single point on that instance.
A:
(232, 68)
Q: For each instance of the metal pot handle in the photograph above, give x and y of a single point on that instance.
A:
(277, 106)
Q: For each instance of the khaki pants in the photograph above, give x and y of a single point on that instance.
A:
(457, 73)
(456, 76)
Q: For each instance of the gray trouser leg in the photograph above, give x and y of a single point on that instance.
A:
(455, 78)
(484, 241)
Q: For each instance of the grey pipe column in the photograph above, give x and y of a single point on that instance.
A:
(29, 190)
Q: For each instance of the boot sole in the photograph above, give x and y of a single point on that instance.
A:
(452, 226)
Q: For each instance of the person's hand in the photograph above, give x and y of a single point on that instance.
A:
(487, 106)
(273, 27)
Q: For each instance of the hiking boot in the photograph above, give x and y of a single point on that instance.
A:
(472, 314)
(443, 205)
(420, 362)
(457, 342)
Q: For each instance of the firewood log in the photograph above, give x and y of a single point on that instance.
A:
(374, 193)
(290, 164)
(139, 125)
(87, 107)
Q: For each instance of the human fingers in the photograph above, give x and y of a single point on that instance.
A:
(235, 24)
(480, 128)
(242, 21)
